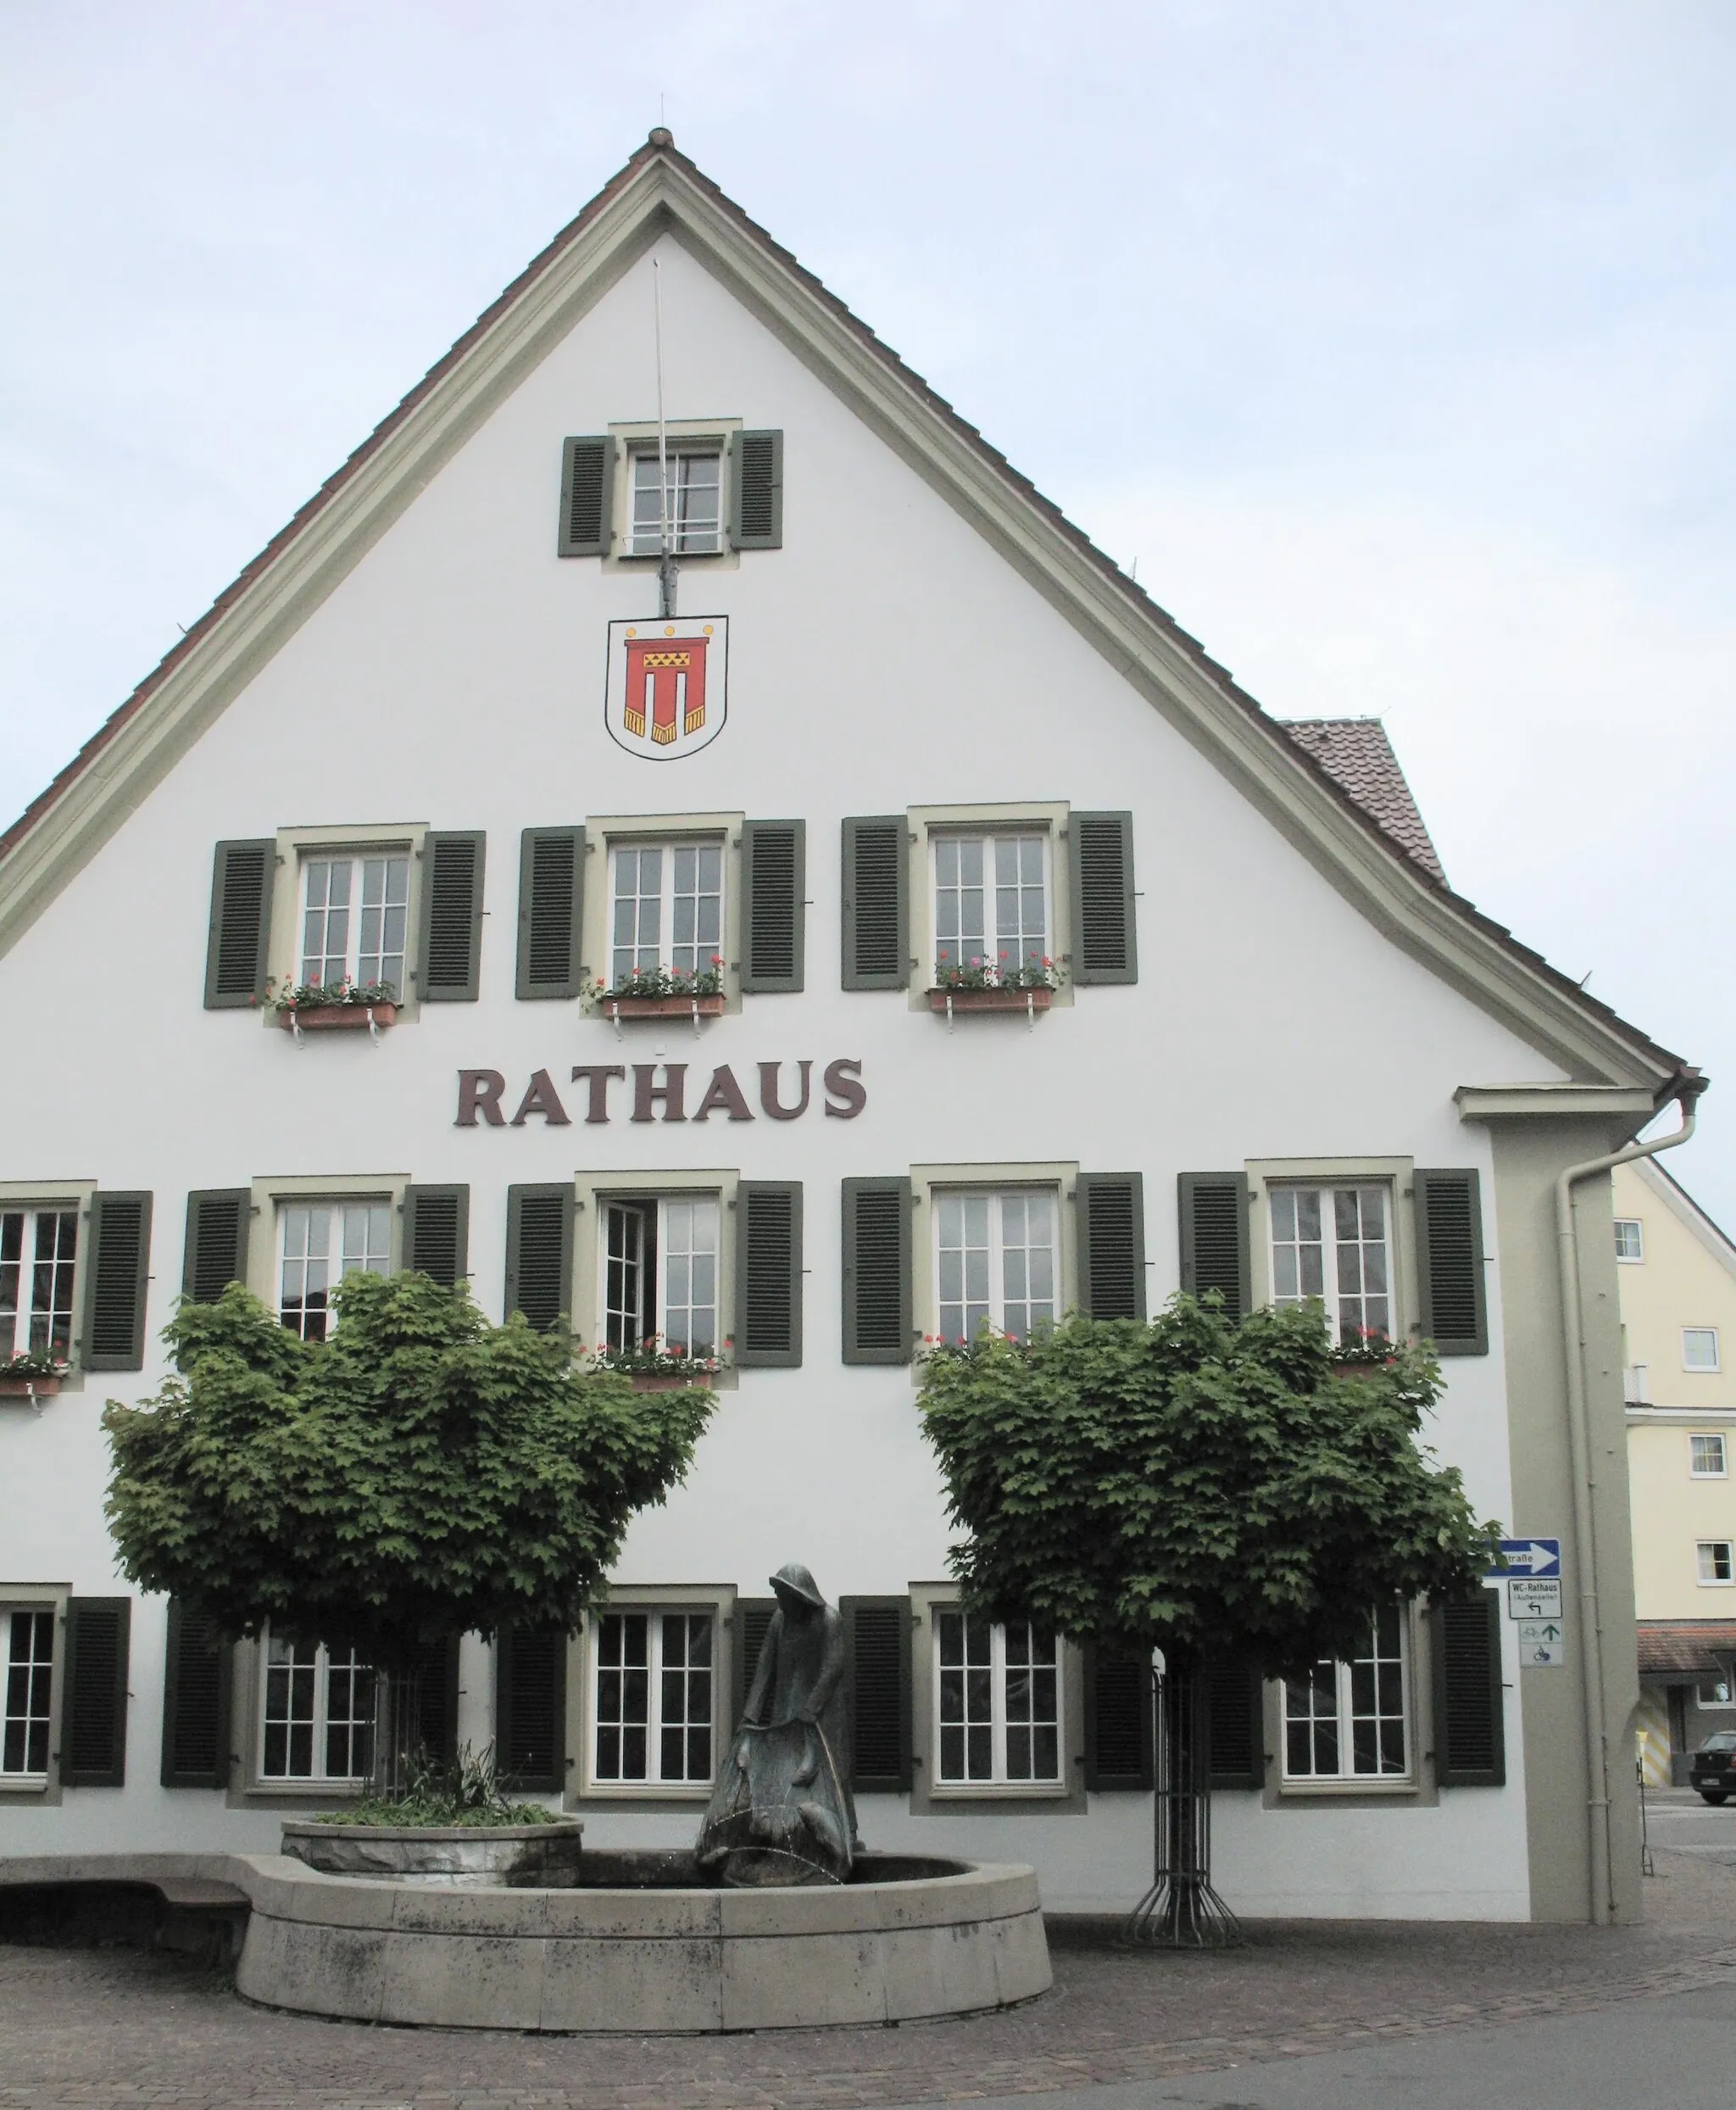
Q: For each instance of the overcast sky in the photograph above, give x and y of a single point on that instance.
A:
(1396, 346)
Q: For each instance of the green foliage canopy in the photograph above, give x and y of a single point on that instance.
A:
(420, 1473)
(1195, 1484)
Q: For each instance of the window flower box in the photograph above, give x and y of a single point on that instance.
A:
(662, 1006)
(1027, 1000)
(648, 1381)
(23, 1385)
(653, 1367)
(316, 1018)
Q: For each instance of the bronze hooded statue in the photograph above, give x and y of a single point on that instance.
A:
(781, 1810)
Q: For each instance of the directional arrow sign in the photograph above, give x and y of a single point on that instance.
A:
(1530, 1556)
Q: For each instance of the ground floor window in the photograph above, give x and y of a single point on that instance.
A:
(660, 1274)
(38, 1252)
(997, 1260)
(316, 1713)
(997, 1701)
(320, 1243)
(654, 1697)
(1350, 1720)
(29, 1670)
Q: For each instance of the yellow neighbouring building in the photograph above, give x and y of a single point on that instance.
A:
(1677, 1276)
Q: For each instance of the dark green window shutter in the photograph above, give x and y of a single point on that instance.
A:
(1215, 1253)
(452, 917)
(876, 1271)
(1450, 1261)
(197, 1677)
(753, 1622)
(876, 904)
(117, 1266)
(539, 1253)
(1118, 1721)
(878, 1671)
(1101, 856)
(219, 1220)
(551, 905)
(93, 1714)
(756, 514)
(1112, 1245)
(241, 924)
(436, 1233)
(586, 496)
(530, 1706)
(774, 878)
(1235, 1700)
(436, 1666)
(769, 1273)
(1470, 1737)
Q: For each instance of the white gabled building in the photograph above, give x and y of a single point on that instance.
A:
(439, 735)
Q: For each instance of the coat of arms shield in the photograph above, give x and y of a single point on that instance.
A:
(668, 691)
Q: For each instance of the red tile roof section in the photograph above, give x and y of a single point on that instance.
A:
(1357, 755)
(1680, 1648)
(659, 145)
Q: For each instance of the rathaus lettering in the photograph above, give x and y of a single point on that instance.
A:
(660, 1097)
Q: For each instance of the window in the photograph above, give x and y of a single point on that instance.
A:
(996, 1259)
(1718, 1560)
(1332, 1243)
(666, 909)
(991, 900)
(1706, 1457)
(660, 1273)
(38, 1252)
(654, 1698)
(30, 1668)
(355, 912)
(1630, 1244)
(317, 1714)
(694, 485)
(997, 1702)
(1699, 1348)
(1715, 1692)
(1347, 1721)
(322, 1242)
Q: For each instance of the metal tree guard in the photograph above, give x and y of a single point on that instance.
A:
(1181, 1910)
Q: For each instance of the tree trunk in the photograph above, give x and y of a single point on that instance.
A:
(1181, 1910)
(397, 1714)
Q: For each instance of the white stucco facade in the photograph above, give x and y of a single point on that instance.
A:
(887, 657)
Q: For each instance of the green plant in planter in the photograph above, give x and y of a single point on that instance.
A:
(29, 1362)
(654, 1357)
(465, 1792)
(662, 982)
(309, 996)
(419, 1474)
(977, 973)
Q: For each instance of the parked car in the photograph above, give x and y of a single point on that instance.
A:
(1712, 1769)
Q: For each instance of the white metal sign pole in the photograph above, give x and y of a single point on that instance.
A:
(666, 563)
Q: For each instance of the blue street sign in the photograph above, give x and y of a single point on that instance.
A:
(1530, 1556)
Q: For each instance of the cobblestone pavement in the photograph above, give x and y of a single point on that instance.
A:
(119, 2027)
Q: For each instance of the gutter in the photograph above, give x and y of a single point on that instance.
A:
(1574, 1343)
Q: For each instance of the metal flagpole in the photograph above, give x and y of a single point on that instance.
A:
(666, 564)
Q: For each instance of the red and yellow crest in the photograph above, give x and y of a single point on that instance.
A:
(668, 688)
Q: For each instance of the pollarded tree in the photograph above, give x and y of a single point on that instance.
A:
(1204, 1488)
(420, 1474)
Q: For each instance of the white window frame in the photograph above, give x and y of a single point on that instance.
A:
(323, 1669)
(385, 921)
(669, 1206)
(999, 1781)
(1716, 1707)
(341, 1209)
(1701, 1369)
(1700, 1444)
(1706, 1562)
(654, 1612)
(1332, 1294)
(1345, 1716)
(993, 947)
(710, 954)
(35, 1688)
(945, 1200)
(1635, 1225)
(22, 1279)
(645, 540)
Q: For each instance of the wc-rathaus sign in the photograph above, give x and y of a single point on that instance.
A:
(668, 688)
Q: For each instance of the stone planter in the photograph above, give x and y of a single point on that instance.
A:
(662, 1006)
(668, 1381)
(322, 1018)
(952, 1001)
(514, 1857)
(22, 1388)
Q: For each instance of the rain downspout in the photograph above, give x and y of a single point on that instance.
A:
(1574, 1343)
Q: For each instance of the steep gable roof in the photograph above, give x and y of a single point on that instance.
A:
(661, 192)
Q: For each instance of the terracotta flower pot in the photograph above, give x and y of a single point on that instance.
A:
(22, 1388)
(1026, 1000)
(662, 1006)
(321, 1018)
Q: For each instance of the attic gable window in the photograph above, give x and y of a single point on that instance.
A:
(694, 485)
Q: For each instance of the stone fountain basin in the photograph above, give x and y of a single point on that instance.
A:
(635, 1949)
(475, 1855)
